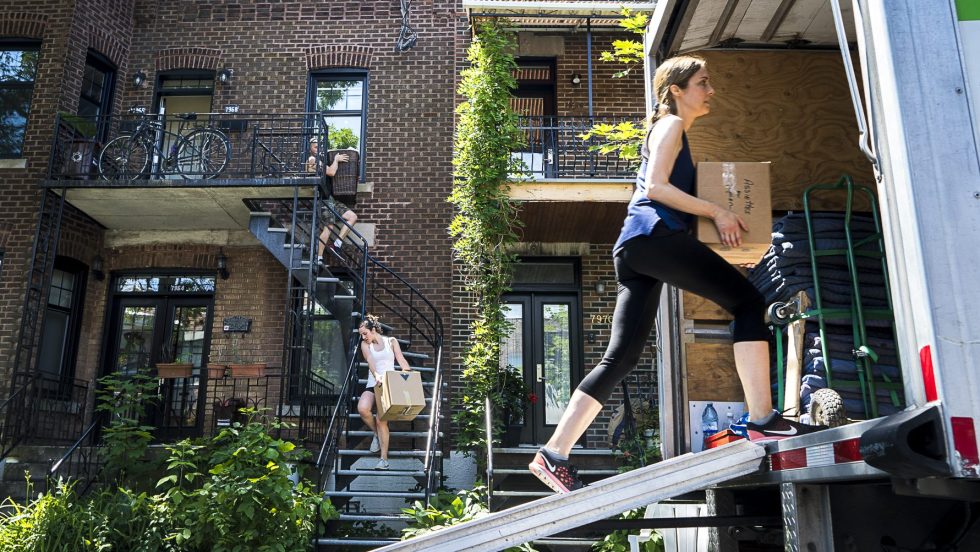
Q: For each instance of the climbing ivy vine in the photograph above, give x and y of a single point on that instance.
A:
(486, 220)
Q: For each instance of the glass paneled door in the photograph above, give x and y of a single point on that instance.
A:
(544, 344)
(147, 331)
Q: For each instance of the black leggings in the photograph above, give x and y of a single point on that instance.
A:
(643, 265)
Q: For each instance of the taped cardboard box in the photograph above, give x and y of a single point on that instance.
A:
(400, 396)
(743, 188)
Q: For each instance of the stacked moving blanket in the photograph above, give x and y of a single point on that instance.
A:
(788, 269)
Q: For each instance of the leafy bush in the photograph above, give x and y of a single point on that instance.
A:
(232, 492)
(124, 400)
(447, 509)
(618, 541)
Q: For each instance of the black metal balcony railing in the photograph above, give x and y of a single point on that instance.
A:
(43, 409)
(553, 148)
(141, 150)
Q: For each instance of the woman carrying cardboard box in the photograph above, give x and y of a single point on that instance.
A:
(380, 352)
(655, 246)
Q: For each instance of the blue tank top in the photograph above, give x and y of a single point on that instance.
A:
(643, 213)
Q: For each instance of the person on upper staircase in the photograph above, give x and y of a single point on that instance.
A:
(655, 247)
(380, 352)
(337, 209)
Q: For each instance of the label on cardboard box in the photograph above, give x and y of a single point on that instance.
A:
(743, 188)
(400, 396)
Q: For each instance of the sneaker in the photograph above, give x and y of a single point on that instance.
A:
(738, 426)
(382, 465)
(375, 444)
(778, 428)
(559, 475)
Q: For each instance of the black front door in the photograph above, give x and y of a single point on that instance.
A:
(544, 344)
(149, 330)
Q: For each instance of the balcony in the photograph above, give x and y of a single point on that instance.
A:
(554, 149)
(192, 170)
(570, 192)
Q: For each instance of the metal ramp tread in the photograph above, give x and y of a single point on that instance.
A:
(601, 500)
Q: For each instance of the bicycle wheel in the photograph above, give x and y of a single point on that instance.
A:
(123, 158)
(203, 153)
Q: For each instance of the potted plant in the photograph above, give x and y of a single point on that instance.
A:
(510, 400)
(241, 369)
(180, 367)
(343, 140)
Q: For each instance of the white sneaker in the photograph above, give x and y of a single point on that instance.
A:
(375, 444)
(382, 465)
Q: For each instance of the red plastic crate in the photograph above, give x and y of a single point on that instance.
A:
(721, 438)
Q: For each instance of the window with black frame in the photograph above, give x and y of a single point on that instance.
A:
(341, 96)
(62, 319)
(95, 99)
(18, 70)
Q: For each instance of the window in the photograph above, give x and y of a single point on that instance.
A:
(97, 82)
(62, 317)
(342, 98)
(18, 69)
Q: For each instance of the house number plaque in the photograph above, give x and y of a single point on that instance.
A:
(237, 324)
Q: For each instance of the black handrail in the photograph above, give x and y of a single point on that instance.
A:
(488, 421)
(67, 468)
(422, 320)
(42, 407)
(13, 429)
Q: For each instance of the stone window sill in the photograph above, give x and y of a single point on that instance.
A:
(13, 163)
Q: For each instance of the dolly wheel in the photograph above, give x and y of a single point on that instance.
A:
(827, 408)
(780, 313)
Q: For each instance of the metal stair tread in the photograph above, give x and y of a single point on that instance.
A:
(355, 415)
(425, 384)
(524, 471)
(363, 364)
(391, 454)
(413, 434)
(374, 517)
(353, 494)
(356, 542)
(523, 493)
(370, 472)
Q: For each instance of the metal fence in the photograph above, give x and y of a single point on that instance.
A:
(141, 150)
(553, 147)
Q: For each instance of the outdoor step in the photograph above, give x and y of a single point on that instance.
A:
(411, 434)
(374, 517)
(578, 543)
(519, 471)
(410, 354)
(403, 473)
(403, 342)
(13, 470)
(356, 416)
(355, 542)
(344, 297)
(418, 368)
(273, 230)
(534, 494)
(425, 384)
(391, 454)
(376, 494)
(442, 398)
(38, 453)
(530, 451)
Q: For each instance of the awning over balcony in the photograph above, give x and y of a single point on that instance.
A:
(553, 15)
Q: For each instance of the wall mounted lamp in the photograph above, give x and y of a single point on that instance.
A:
(98, 271)
(576, 79)
(222, 265)
(600, 287)
(224, 76)
(139, 79)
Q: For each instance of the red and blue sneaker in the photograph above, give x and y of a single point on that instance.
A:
(778, 428)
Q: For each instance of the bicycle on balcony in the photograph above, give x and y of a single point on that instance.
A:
(153, 148)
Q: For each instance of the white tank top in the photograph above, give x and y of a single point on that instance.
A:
(384, 360)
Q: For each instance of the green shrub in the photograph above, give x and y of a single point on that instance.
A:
(447, 509)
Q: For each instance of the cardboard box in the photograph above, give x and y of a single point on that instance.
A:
(741, 187)
(400, 396)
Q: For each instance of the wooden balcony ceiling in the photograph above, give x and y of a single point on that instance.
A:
(219, 208)
(801, 23)
(571, 211)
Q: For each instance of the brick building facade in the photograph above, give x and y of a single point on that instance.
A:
(275, 51)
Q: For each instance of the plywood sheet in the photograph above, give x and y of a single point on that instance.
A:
(791, 108)
(699, 308)
(711, 374)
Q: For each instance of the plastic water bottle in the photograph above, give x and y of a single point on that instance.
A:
(709, 423)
